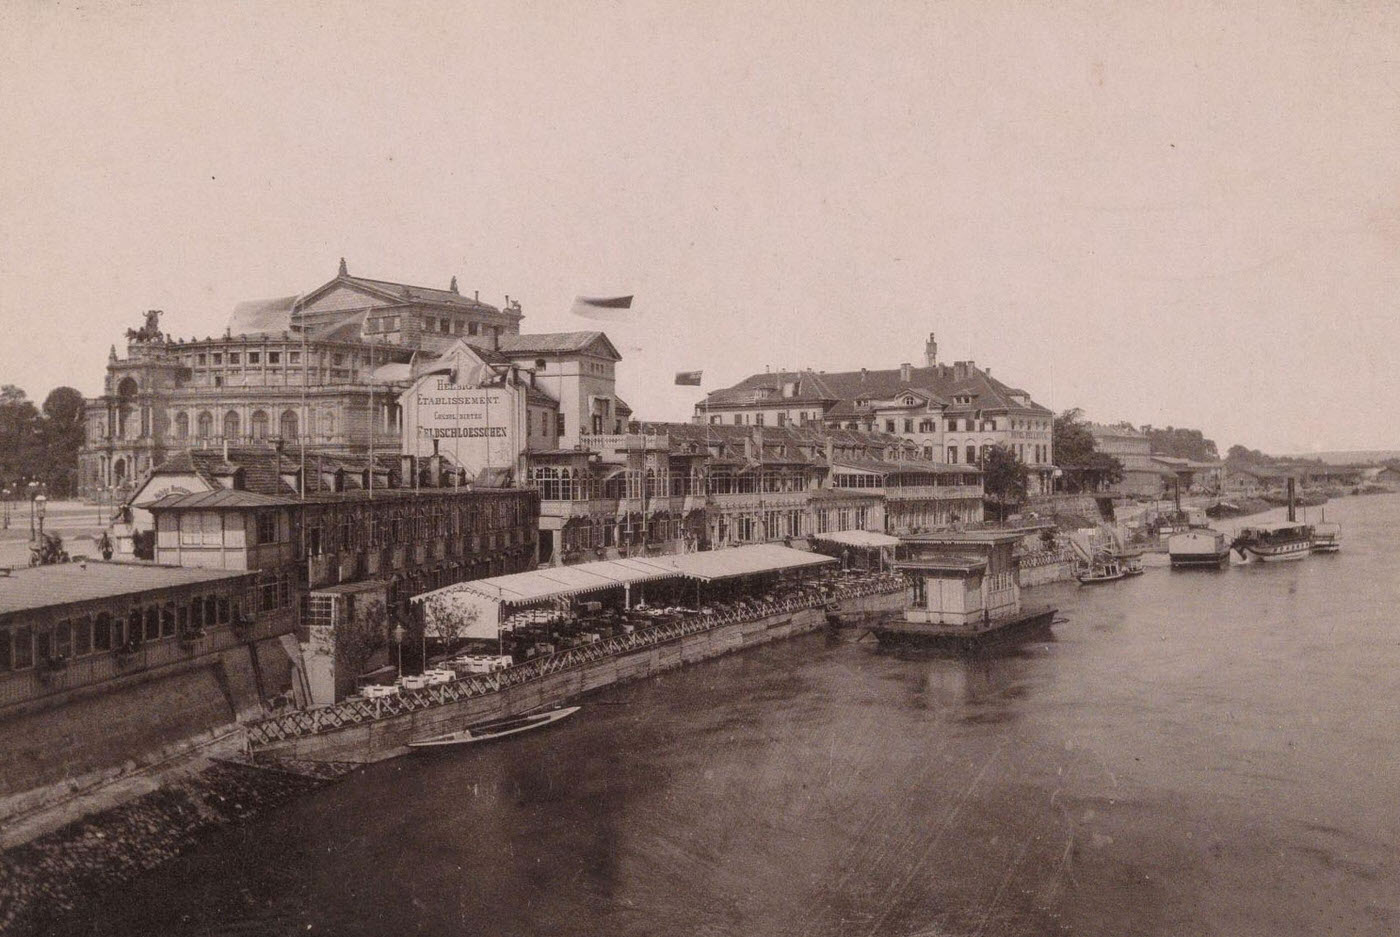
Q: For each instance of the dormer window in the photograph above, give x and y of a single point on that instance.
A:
(909, 401)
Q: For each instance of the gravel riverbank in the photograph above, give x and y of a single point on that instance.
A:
(45, 883)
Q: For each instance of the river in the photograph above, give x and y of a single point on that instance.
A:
(1209, 753)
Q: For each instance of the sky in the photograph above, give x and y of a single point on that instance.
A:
(1179, 214)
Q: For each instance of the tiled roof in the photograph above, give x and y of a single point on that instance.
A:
(420, 294)
(263, 469)
(65, 583)
(219, 499)
(551, 342)
(942, 381)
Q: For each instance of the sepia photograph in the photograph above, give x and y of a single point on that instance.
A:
(906, 468)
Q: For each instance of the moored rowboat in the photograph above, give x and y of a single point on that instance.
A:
(496, 729)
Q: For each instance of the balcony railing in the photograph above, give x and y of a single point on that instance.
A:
(351, 712)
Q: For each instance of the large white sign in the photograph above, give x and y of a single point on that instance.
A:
(474, 425)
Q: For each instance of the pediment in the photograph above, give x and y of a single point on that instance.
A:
(338, 295)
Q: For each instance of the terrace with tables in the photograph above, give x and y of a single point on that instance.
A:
(546, 626)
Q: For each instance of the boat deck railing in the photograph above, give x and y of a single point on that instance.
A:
(322, 719)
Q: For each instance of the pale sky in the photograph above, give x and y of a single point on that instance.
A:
(1166, 213)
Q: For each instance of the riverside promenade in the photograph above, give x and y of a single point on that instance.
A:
(372, 730)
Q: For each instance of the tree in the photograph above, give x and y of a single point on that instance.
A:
(1077, 455)
(1182, 444)
(19, 437)
(1005, 478)
(60, 438)
(1072, 441)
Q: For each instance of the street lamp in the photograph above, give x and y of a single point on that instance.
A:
(7, 495)
(33, 490)
(399, 635)
(40, 502)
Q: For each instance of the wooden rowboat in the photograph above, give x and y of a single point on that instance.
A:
(496, 729)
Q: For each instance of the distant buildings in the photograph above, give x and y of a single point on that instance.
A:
(1142, 474)
(952, 413)
(325, 368)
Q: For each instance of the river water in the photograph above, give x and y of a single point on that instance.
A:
(1193, 753)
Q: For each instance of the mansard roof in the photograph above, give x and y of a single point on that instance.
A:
(809, 387)
(942, 382)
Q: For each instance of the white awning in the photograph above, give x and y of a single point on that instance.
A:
(727, 563)
(859, 538)
(539, 585)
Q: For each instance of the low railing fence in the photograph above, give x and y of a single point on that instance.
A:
(1045, 558)
(322, 719)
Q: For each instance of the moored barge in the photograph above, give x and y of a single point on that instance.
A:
(965, 594)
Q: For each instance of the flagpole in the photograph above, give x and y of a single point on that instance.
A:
(372, 428)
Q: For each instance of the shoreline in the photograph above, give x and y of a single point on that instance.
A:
(48, 881)
(54, 877)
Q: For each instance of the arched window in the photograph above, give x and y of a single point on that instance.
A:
(127, 388)
(182, 425)
(258, 424)
(971, 455)
(327, 424)
(231, 425)
(204, 425)
(287, 426)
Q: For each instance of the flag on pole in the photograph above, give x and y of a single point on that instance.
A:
(610, 309)
(688, 378)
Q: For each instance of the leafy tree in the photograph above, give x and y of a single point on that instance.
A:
(1005, 478)
(19, 437)
(60, 438)
(1182, 444)
(1077, 455)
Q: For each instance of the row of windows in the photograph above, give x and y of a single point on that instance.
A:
(258, 424)
(1040, 454)
(352, 527)
(442, 325)
(564, 484)
(760, 419)
(591, 535)
(901, 480)
(773, 525)
(23, 646)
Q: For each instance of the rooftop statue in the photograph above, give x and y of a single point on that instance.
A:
(150, 332)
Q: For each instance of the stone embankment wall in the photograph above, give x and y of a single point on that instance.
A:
(67, 739)
(59, 878)
(1038, 569)
(387, 737)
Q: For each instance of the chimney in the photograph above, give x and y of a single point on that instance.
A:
(862, 374)
(748, 446)
(435, 471)
(904, 372)
(931, 351)
(408, 468)
(959, 370)
(971, 367)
